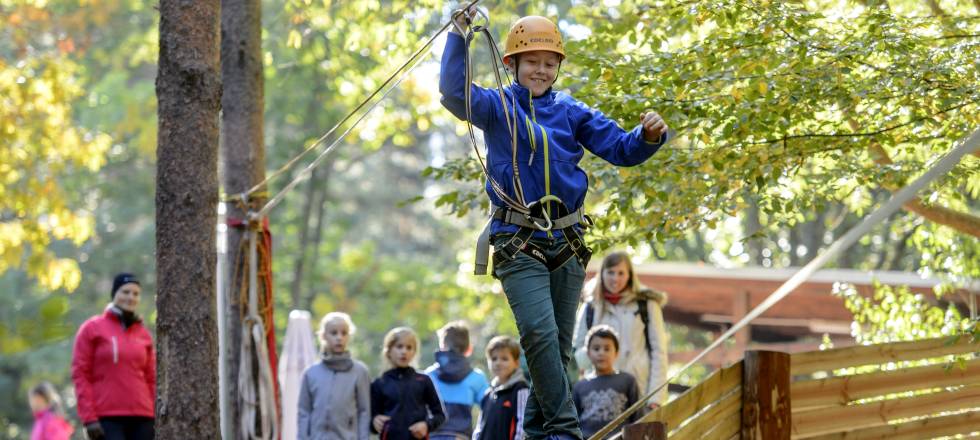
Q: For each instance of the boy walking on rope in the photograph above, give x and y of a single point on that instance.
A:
(535, 138)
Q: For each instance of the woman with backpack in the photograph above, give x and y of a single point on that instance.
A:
(636, 313)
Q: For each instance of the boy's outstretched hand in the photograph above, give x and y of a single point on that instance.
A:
(653, 126)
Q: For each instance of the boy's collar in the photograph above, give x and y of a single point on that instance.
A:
(594, 374)
(515, 377)
(523, 92)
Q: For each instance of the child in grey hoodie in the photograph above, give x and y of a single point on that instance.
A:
(334, 398)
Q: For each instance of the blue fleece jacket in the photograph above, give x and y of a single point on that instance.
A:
(460, 388)
(558, 125)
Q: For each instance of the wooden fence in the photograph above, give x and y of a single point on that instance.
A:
(905, 390)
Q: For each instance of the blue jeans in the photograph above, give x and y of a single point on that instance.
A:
(544, 305)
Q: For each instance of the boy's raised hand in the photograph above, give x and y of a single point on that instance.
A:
(653, 126)
(419, 430)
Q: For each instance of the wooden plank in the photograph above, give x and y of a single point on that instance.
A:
(714, 387)
(932, 427)
(810, 362)
(728, 428)
(707, 420)
(830, 420)
(645, 431)
(765, 396)
(842, 390)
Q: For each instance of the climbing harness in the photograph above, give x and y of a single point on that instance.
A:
(529, 218)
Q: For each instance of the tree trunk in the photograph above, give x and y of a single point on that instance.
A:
(188, 95)
(299, 260)
(243, 166)
(319, 208)
(795, 240)
(752, 225)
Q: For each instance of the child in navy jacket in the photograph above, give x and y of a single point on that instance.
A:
(404, 403)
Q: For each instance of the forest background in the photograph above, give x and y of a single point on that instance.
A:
(796, 119)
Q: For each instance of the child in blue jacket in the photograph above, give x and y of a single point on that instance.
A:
(460, 386)
(539, 253)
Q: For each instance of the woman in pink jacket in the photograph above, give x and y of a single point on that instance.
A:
(114, 368)
(49, 419)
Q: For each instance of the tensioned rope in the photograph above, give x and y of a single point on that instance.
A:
(400, 72)
(272, 202)
(942, 167)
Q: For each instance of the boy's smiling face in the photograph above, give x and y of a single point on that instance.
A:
(536, 70)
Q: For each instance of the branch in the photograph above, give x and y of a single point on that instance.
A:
(862, 134)
(961, 221)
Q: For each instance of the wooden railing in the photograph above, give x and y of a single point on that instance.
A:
(904, 390)
(936, 397)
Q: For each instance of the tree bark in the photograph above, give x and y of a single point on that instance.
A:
(243, 166)
(188, 93)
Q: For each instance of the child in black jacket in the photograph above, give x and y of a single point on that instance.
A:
(404, 403)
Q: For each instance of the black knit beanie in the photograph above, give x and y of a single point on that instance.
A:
(120, 280)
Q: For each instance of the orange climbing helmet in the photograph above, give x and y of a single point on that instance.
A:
(534, 33)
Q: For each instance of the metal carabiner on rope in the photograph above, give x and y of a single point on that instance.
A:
(544, 212)
(547, 217)
(469, 21)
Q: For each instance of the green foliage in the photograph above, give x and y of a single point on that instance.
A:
(896, 314)
(780, 109)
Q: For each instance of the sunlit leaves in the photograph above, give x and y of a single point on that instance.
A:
(896, 314)
(39, 144)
